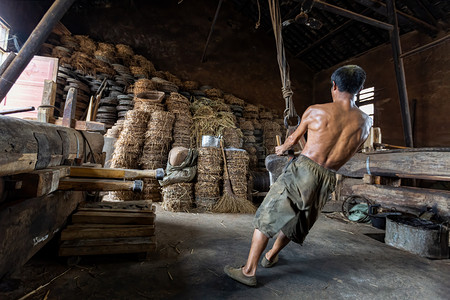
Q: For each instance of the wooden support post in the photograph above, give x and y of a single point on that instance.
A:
(32, 45)
(70, 108)
(400, 74)
(45, 111)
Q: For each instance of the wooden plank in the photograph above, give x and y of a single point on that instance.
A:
(113, 218)
(408, 199)
(104, 226)
(426, 161)
(142, 204)
(45, 113)
(39, 183)
(26, 226)
(107, 246)
(87, 184)
(116, 210)
(98, 233)
(85, 125)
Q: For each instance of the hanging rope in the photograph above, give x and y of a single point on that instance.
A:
(258, 23)
(282, 61)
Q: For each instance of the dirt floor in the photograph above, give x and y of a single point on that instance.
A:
(337, 261)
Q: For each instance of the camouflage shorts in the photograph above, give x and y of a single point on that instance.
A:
(295, 200)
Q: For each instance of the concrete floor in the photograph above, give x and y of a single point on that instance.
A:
(337, 261)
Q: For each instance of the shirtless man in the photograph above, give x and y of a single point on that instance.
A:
(335, 132)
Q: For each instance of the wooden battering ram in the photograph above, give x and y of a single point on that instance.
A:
(383, 172)
(32, 176)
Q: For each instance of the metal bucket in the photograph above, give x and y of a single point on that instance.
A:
(417, 236)
(210, 141)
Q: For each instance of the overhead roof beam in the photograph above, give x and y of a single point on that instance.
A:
(380, 8)
(352, 15)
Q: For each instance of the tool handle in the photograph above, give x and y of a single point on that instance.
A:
(278, 140)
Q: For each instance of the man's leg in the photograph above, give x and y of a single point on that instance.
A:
(281, 242)
(259, 243)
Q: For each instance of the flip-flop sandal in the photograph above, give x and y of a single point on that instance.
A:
(267, 263)
(236, 274)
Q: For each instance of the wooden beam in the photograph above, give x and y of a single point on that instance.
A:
(400, 74)
(426, 46)
(327, 36)
(85, 125)
(26, 226)
(407, 199)
(380, 8)
(38, 183)
(33, 44)
(425, 161)
(352, 15)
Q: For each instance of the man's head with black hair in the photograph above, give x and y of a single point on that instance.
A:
(349, 79)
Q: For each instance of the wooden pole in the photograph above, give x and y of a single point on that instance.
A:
(400, 74)
(32, 45)
(211, 30)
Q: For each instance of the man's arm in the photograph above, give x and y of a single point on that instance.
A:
(296, 135)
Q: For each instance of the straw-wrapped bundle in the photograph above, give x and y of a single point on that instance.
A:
(82, 62)
(214, 92)
(70, 42)
(205, 123)
(141, 61)
(105, 55)
(165, 85)
(139, 72)
(209, 170)
(103, 67)
(232, 137)
(190, 85)
(87, 45)
(179, 106)
(125, 52)
(237, 163)
(172, 78)
(142, 87)
(271, 130)
(178, 197)
(61, 52)
(233, 100)
(266, 115)
(157, 141)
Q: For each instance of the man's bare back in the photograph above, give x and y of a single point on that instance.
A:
(335, 131)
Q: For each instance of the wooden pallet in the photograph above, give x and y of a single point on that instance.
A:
(110, 228)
